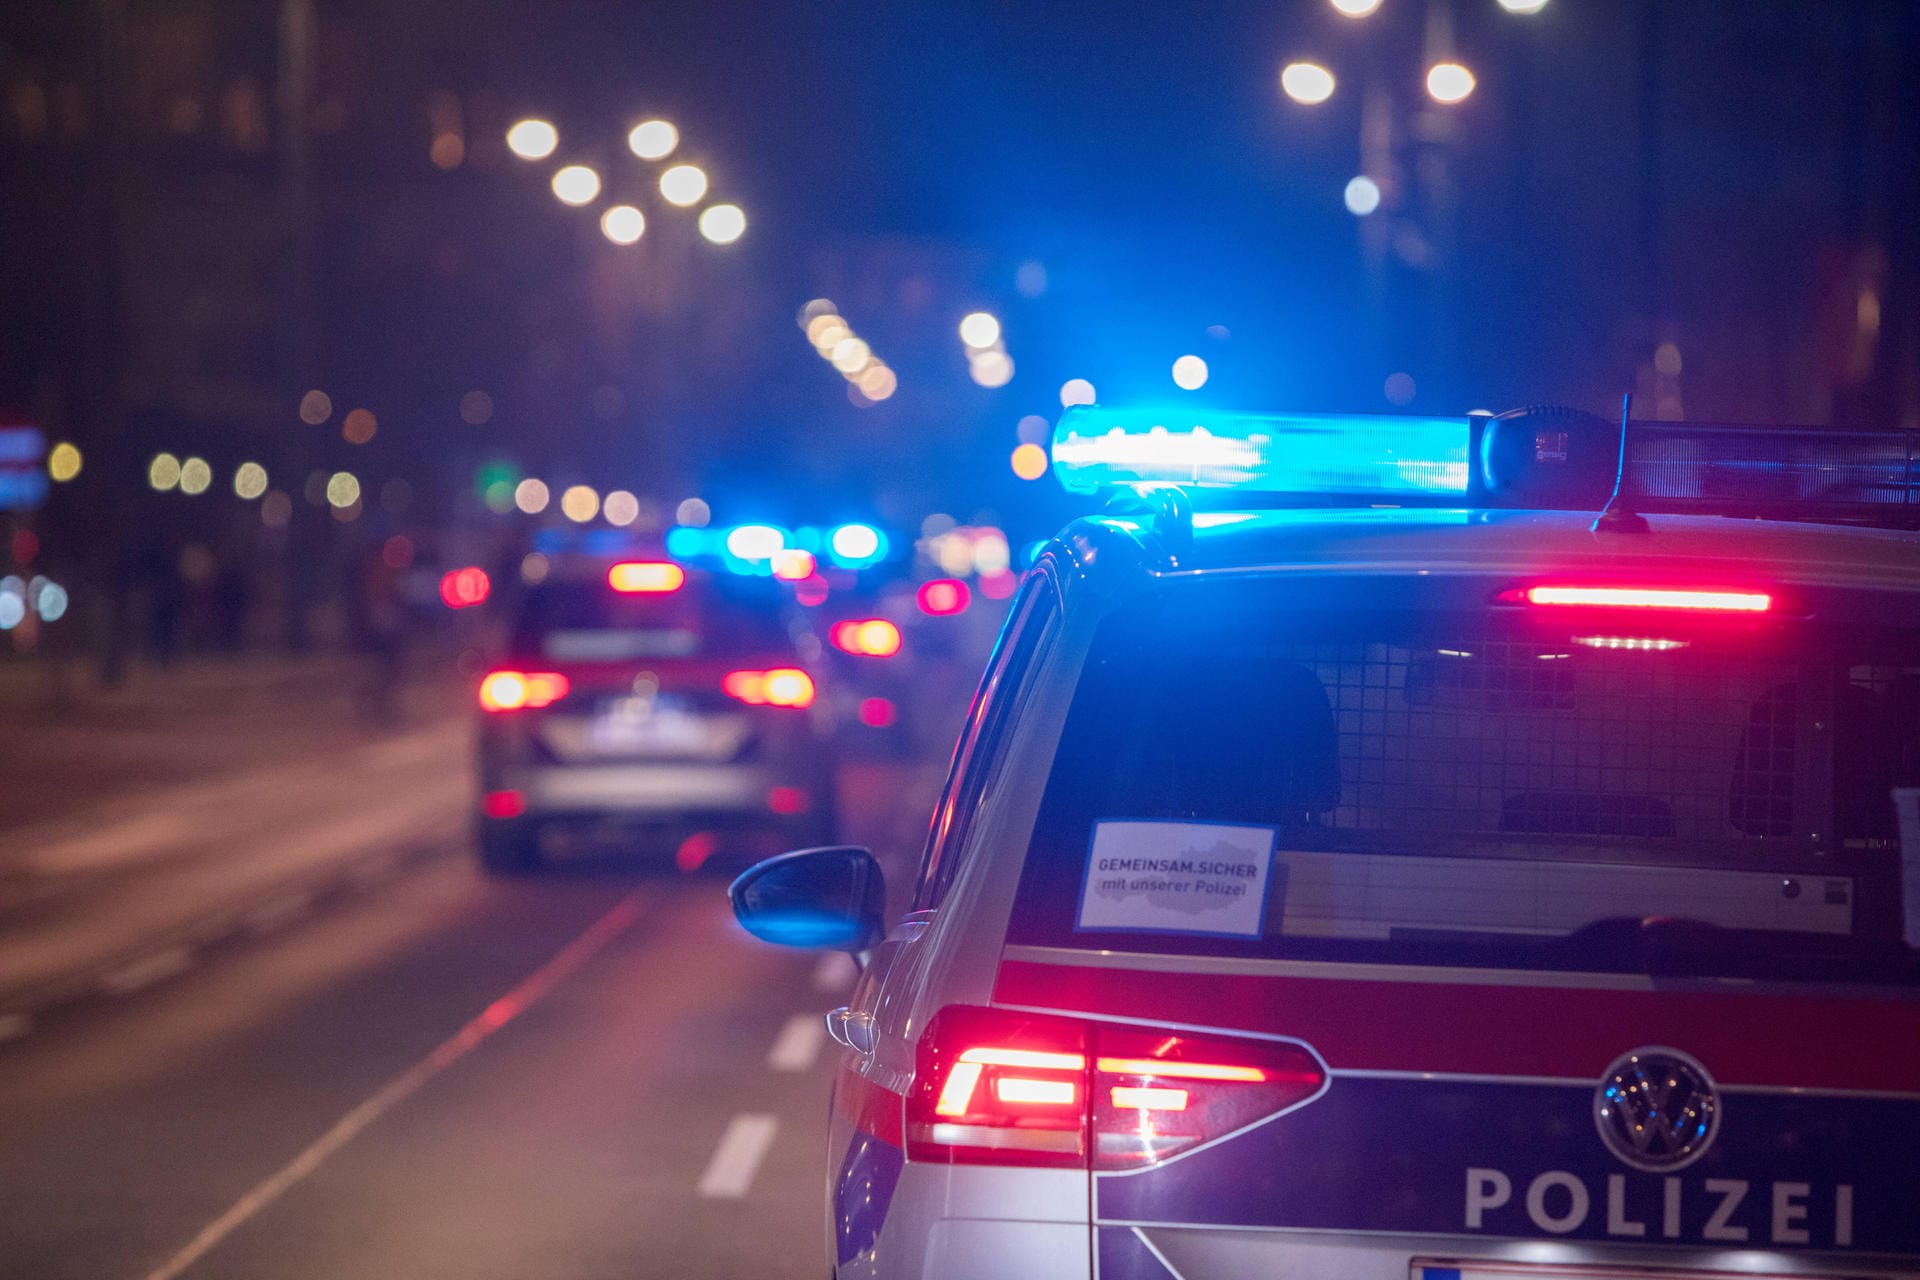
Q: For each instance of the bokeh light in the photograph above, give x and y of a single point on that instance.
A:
(196, 477)
(476, 407)
(250, 481)
(1449, 82)
(1029, 461)
(723, 223)
(1523, 6)
(315, 408)
(343, 490)
(1362, 196)
(163, 473)
(359, 426)
(755, 542)
(990, 368)
(1032, 429)
(850, 355)
(576, 185)
(580, 503)
(276, 509)
(1355, 8)
(51, 602)
(856, 542)
(623, 224)
(532, 139)
(1190, 373)
(692, 513)
(1307, 83)
(979, 330)
(653, 139)
(531, 496)
(684, 184)
(621, 508)
(1399, 388)
(1075, 391)
(877, 381)
(63, 462)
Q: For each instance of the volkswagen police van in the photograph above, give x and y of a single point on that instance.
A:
(1362, 863)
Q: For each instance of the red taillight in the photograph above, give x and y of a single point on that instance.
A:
(1682, 598)
(866, 637)
(944, 596)
(503, 804)
(878, 713)
(781, 687)
(788, 800)
(464, 588)
(646, 577)
(512, 690)
(996, 1087)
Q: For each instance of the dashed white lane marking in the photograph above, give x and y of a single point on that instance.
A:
(407, 1083)
(742, 1147)
(279, 912)
(798, 1045)
(835, 972)
(14, 1025)
(147, 970)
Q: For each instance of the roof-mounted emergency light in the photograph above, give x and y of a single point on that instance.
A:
(1362, 455)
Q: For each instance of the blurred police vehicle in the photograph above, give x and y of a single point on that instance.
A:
(654, 704)
(1390, 870)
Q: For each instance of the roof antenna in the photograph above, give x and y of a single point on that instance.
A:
(1619, 516)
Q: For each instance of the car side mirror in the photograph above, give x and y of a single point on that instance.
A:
(832, 898)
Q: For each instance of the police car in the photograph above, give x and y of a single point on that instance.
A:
(1360, 861)
(656, 705)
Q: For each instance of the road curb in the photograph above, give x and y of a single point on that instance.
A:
(179, 951)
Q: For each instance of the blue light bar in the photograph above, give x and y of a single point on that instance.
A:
(1383, 455)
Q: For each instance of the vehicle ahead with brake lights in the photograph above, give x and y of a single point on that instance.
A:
(1470, 888)
(656, 704)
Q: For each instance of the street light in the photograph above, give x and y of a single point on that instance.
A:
(576, 185)
(1523, 6)
(1307, 83)
(1364, 8)
(683, 184)
(623, 224)
(1449, 82)
(653, 139)
(979, 329)
(533, 139)
(723, 223)
(1362, 196)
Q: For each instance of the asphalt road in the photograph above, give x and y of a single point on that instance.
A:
(410, 1071)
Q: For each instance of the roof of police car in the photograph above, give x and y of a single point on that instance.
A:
(1500, 541)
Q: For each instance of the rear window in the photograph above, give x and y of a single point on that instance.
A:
(588, 621)
(1490, 789)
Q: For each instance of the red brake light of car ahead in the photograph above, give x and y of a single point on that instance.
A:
(866, 637)
(998, 1087)
(1682, 598)
(944, 597)
(781, 687)
(646, 577)
(512, 690)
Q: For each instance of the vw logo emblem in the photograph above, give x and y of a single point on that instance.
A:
(1657, 1109)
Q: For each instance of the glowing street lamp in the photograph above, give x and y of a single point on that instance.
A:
(1365, 8)
(1449, 82)
(1307, 83)
(533, 139)
(653, 139)
(723, 223)
(683, 184)
(576, 185)
(623, 224)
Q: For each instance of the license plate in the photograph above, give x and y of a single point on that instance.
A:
(623, 729)
(1472, 1269)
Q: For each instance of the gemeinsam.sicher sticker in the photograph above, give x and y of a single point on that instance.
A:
(1177, 877)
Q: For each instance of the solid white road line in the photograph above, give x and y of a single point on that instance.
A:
(834, 972)
(147, 970)
(407, 1083)
(798, 1045)
(742, 1147)
(14, 1025)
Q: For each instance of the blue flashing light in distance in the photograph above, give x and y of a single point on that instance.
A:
(855, 546)
(686, 543)
(1388, 455)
